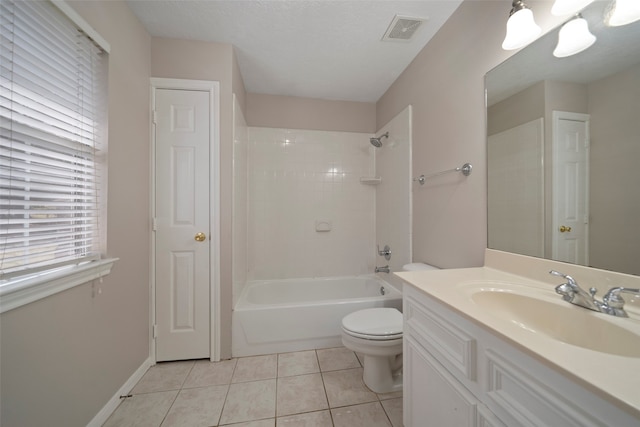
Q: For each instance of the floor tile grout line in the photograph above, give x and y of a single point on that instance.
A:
(354, 404)
(304, 413)
(226, 395)
(169, 408)
(275, 410)
(244, 422)
(184, 381)
(187, 376)
(299, 375)
(386, 413)
(228, 386)
(324, 387)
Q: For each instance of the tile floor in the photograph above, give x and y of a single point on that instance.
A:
(315, 388)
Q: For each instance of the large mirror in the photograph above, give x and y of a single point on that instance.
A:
(563, 142)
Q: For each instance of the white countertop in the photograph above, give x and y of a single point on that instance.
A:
(615, 378)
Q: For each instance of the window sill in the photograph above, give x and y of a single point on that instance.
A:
(23, 291)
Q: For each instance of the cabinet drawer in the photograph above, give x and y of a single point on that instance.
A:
(525, 401)
(452, 346)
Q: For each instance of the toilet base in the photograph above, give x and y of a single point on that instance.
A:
(383, 374)
(382, 362)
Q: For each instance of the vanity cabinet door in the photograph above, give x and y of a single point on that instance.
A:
(437, 398)
(486, 418)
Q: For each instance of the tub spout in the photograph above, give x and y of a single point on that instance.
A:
(384, 269)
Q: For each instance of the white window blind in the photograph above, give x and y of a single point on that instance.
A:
(52, 125)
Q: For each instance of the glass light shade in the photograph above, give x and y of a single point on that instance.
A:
(574, 37)
(521, 30)
(623, 12)
(569, 7)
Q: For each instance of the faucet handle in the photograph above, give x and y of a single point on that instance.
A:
(385, 252)
(571, 282)
(613, 299)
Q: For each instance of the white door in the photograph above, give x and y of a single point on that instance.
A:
(570, 232)
(182, 224)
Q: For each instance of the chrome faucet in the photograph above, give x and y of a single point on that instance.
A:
(384, 269)
(573, 293)
(612, 303)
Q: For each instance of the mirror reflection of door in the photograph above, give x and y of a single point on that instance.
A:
(570, 182)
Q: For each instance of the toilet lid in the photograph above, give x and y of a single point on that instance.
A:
(374, 322)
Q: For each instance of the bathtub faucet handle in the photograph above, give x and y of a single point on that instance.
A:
(385, 252)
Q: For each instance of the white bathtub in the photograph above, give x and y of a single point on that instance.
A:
(277, 316)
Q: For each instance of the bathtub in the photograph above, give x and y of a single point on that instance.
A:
(277, 316)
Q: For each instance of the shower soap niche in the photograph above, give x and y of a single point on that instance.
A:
(322, 226)
(370, 180)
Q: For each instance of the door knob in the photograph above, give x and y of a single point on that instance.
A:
(564, 229)
(200, 237)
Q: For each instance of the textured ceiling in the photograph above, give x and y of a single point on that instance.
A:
(324, 49)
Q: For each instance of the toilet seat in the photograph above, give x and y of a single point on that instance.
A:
(379, 324)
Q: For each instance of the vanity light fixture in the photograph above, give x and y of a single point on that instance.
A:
(521, 28)
(569, 7)
(622, 12)
(574, 37)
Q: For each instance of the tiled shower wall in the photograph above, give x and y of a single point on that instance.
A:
(298, 179)
(393, 194)
(239, 221)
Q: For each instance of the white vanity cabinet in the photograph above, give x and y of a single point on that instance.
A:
(458, 373)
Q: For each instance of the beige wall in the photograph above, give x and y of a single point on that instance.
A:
(445, 86)
(614, 103)
(289, 112)
(518, 109)
(65, 356)
(187, 59)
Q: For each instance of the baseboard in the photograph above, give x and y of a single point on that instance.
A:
(102, 416)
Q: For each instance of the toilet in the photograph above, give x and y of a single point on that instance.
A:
(376, 333)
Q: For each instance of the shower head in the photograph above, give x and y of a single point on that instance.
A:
(377, 142)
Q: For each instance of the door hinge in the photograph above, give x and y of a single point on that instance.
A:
(154, 224)
(154, 116)
(155, 331)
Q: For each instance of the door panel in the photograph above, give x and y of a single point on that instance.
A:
(571, 191)
(182, 212)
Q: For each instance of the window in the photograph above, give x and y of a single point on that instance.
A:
(52, 141)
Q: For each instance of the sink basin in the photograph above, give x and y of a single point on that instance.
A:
(567, 323)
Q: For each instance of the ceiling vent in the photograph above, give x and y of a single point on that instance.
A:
(402, 28)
